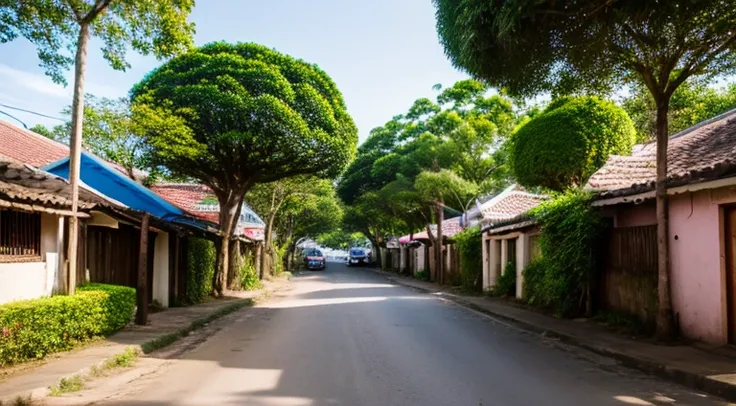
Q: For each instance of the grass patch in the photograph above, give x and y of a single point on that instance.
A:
(66, 385)
(168, 339)
(19, 401)
(125, 359)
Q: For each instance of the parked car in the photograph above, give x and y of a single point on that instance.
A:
(314, 259)
(359, 256)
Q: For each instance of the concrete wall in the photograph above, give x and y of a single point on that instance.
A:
(30, 280)
(161, 269)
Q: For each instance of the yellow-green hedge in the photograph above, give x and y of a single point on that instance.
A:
(31, 329)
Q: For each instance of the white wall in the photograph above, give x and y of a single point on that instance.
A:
(30, 280)
(161, 269)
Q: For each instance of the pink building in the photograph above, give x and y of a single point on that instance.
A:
(702, 234)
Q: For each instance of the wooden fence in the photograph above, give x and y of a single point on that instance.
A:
(628, 281)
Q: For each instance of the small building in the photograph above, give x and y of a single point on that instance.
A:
(34, 207)
(701, 181)
(509, 236)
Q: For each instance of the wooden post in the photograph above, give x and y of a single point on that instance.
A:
(141, 317)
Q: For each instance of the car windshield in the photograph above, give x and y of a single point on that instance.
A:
(314, 253)
(356, 251)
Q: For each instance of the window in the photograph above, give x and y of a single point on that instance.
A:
(20, 236)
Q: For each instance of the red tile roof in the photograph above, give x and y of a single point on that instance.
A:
(36, 150)
(510, 204)
(187, 196)
(450, 228)
(28, 147)
(704, 152)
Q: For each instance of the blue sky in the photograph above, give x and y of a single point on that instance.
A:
(383, 54)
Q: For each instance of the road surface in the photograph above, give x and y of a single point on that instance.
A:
(346, 337)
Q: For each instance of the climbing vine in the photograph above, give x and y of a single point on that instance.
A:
(570, 238)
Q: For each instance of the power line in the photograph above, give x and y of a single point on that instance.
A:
(14, 118)
(30, 111)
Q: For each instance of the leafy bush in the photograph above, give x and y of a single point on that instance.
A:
(119, 306)
(569, 242)
(31, 329)
(569, 141)
(470, 244)
(506, 282)
(422, 275)
(248, 274)
(200, 269)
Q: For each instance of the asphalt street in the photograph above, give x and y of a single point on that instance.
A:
(345, 336)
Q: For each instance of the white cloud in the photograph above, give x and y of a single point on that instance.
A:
(33, 81)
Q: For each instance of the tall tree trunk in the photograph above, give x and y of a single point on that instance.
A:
(438, 249)
(267, 250)
(665, 317)
(141, 317)
(75, 150)
(230, 205)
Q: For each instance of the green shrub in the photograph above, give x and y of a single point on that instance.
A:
(201, 260)
(422, 275)
(248, 274)
(535, 284)
(569, 141)
(506, 282)
(31, 329)
(119, 306)
(570, 238)
(470, 245)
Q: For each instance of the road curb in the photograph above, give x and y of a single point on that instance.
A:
(700, 382)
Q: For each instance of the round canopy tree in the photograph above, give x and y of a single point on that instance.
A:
(569, 141)
(233, 115)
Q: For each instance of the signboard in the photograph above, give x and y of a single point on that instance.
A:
(256, 234)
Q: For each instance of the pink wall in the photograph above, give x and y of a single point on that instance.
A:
(695, 260)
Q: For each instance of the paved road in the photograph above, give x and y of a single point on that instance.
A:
(346, 337)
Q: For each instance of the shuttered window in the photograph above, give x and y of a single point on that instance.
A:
(20, 236)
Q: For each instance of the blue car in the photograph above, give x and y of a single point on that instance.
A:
(358, 256)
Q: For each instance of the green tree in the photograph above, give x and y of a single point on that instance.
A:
(569, 141)
(436, 188)
(340, 238)
(63, 28)
(691, 103)
(530, 47)
(45, 131)
(232, 116)
(109, 132)
(297, 206)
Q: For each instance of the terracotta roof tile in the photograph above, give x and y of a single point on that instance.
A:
(511, 205)
(704, 152)
(450, 228)
(188, 196)
(28, 147)
(36, 150)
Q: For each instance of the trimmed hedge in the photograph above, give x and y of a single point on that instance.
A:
(201, 260)
(31, 329)
(119, 306)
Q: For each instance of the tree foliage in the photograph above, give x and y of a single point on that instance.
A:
(233, 115)
(569, 141)
(690, 105)
(463, 130)
(148, 27)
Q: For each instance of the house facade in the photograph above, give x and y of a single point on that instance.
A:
(509, 236)
(702, 228)
(34, 207)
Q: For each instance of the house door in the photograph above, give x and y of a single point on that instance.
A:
(730, 241)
